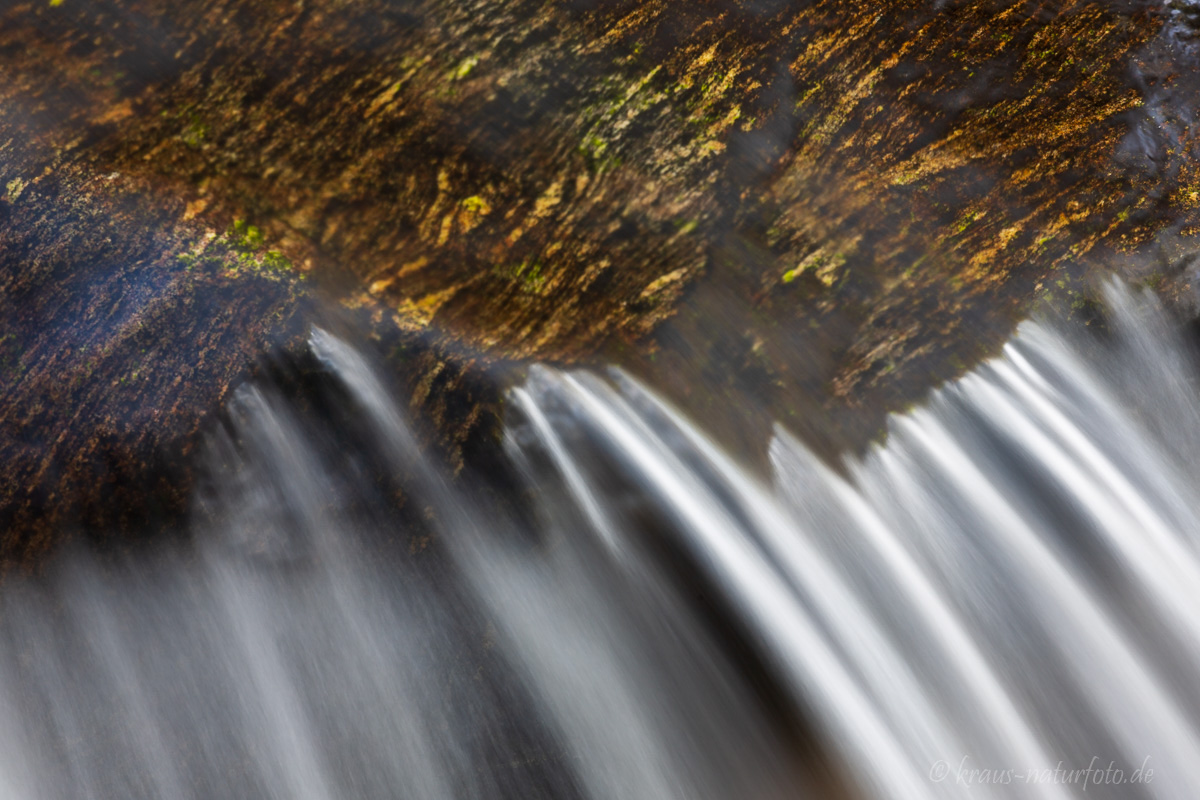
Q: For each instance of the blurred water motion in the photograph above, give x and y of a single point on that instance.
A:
(1000, 596)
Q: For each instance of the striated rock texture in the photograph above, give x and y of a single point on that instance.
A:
(811, 211)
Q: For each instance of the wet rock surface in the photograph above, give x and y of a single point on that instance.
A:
(810, 212)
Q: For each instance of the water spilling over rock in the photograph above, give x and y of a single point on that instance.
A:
(999, 600)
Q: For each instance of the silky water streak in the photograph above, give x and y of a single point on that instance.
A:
(1000, 599)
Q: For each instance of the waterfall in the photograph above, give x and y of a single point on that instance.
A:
(1001, 598)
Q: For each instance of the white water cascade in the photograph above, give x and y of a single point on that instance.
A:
(1001, 599)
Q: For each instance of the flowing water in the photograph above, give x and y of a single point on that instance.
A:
(1002, 599)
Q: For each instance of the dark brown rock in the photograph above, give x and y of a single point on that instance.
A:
(803, 211)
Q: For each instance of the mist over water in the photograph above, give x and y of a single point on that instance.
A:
(998, 600)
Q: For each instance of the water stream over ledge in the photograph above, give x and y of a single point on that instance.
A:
(1000, 600)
